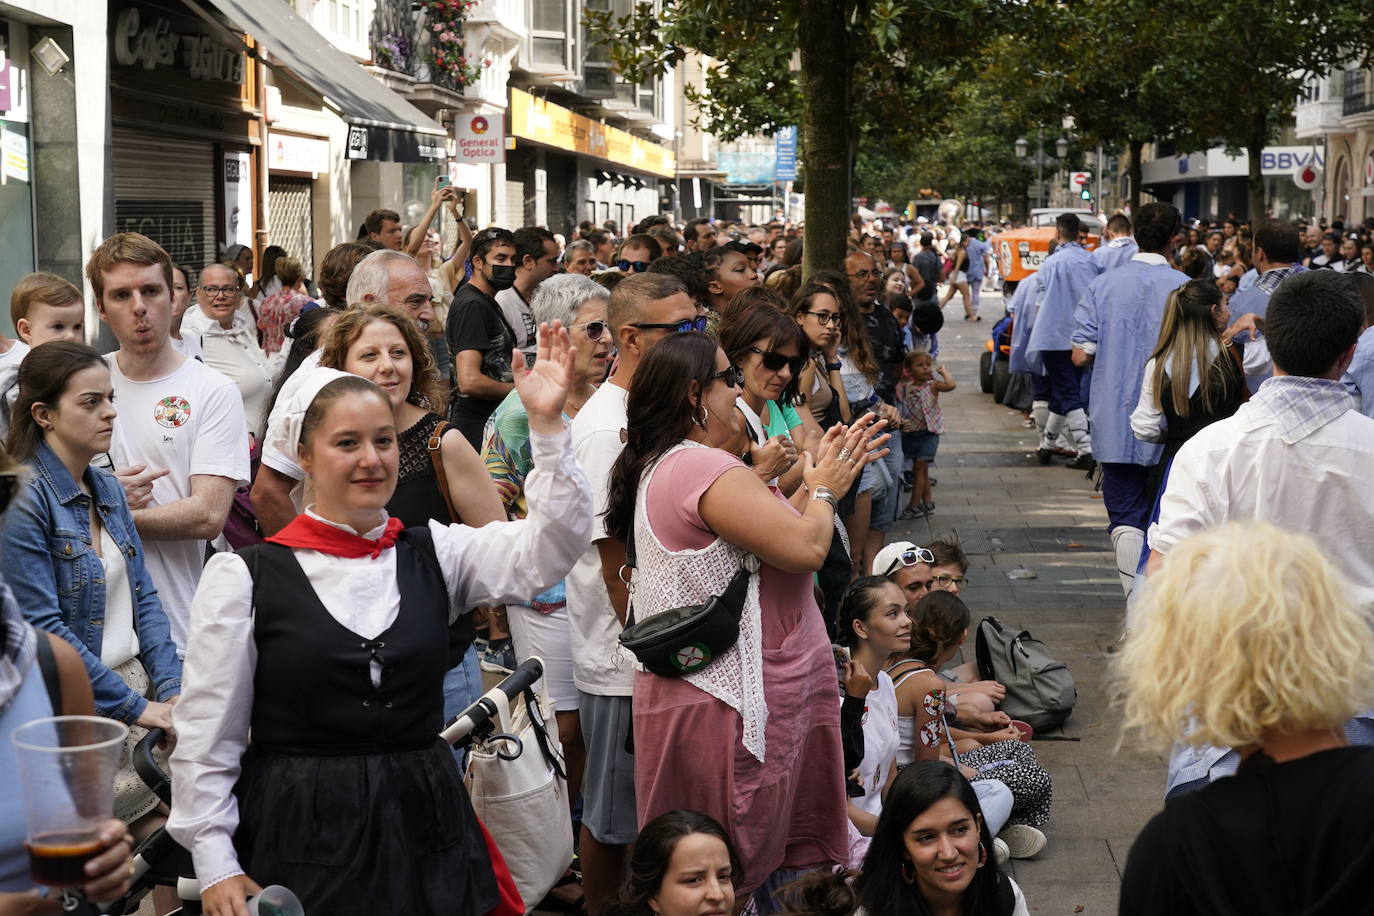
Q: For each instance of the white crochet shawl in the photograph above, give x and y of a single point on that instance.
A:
(666, 579)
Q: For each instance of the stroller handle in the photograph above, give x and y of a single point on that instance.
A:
(479, 715)
(148, 769)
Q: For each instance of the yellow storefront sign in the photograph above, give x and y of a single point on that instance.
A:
(542, 121)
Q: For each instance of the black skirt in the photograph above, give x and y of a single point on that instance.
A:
(367, 834)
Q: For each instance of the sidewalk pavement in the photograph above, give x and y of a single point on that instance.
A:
(1041, 560)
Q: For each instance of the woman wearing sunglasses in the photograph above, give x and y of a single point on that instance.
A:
(769, 348)
(541, 627)
(767, 705)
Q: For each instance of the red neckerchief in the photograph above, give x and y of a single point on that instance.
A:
(308, 533)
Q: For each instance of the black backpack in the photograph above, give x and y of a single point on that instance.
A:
(1040, 689)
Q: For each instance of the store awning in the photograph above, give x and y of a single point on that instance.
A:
(378, 117)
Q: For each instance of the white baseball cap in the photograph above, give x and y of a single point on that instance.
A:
(899, 554)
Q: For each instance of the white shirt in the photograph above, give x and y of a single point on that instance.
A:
(1147, 420)
(503, 562)
(119, 636)
(600, 665)
(189, 422)
(1319, 486)
(519, 316)
(234, 351)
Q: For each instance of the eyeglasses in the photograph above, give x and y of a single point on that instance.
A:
(911, 558)
(865, 275)
(943, 581)
(733, 377)
(215, 291)
(834, 318)
(637, 266)
(593, 329)
(773, 361)
(684, 326)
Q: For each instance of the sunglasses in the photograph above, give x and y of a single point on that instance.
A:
(637, 266)
(684, 326)
(910, 558)
(593, 329)
(773, 361)
(733, 377)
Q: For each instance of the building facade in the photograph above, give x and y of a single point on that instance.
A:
(1338, 113)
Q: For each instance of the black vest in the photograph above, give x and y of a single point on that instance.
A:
(1228, 392)
(312, 689)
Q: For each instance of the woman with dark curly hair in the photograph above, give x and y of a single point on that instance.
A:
(683, 865)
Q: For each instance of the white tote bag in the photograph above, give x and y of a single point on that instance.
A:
(517, 781)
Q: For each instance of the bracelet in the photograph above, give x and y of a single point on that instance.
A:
(832, 367)
(828, 495)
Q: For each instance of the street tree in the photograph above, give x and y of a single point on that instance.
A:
(829, 66)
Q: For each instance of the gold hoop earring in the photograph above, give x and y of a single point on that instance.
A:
(908, 873)
(982, 855)
(702, 420)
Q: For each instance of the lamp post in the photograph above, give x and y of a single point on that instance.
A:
(1022, 147)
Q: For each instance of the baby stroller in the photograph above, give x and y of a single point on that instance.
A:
(159, 861)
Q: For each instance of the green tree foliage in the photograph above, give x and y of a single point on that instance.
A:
(829, 66)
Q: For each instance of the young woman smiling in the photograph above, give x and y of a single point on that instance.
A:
(932, 853)
(329, 642)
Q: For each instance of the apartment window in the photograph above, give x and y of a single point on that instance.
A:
(551, 33)
(341, 21)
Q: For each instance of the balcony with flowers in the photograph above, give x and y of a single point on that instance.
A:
(419, 46)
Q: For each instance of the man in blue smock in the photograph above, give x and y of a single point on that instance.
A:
(1064, 278)
(1116, 326)
(1278, 248)
(1120, 247)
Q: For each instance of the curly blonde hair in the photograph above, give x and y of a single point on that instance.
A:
(426, 390)
(1246, 629)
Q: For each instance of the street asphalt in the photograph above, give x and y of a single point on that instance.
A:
(1041, 560)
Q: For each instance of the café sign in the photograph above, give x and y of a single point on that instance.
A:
(152, 42)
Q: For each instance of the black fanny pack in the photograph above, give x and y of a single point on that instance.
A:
(684, 640)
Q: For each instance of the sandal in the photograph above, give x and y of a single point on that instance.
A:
(911, 512)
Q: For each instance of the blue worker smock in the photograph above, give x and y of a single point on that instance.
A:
(1115, 253)
(1064, 278)
(1022, 309)
(1118, 320)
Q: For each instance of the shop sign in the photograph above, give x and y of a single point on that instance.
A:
(785, 149)
(238, 199)
(289, 153)
(386, 145)
(14, 149)
(6, 81)
(544, 122)
(480, 138)
(152, 43)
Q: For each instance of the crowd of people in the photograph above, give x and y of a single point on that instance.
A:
(291, 519)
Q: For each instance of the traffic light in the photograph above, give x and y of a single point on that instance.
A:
(1085, 194)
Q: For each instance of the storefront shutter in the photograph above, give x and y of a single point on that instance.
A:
(165, 189)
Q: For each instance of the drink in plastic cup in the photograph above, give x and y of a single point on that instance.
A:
(67, 767)
(275, 900)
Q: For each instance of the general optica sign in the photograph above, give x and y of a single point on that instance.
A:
(480, 138)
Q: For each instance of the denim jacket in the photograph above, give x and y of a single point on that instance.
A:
(59, 580)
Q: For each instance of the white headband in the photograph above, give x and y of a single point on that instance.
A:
(284, 435)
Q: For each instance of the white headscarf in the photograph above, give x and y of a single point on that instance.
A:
(284, 435)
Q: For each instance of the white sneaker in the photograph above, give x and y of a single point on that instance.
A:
(1000, 851)
(1023, 841)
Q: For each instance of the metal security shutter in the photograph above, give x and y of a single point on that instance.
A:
(289, 213)
(165, 189)
(515, 204)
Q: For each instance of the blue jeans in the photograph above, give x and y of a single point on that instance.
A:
(462, 688)
(887, 496)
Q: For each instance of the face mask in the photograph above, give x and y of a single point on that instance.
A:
(502, 276)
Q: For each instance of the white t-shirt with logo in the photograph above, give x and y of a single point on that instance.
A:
(9, 381)
(190, 422)
(600, 665)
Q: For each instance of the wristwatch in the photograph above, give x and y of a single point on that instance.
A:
(832, 367)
